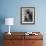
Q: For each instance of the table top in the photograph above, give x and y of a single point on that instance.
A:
(22, 35)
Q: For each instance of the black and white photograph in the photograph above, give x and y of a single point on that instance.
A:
(27, 15)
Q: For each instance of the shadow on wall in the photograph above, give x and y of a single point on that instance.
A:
(2, 21)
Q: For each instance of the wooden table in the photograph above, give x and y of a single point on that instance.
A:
(20, 39)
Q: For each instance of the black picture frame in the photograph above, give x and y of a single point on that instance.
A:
(27, 15)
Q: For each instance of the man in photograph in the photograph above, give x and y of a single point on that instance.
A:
(28, 16)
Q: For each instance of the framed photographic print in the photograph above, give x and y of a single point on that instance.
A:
(27, 15)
